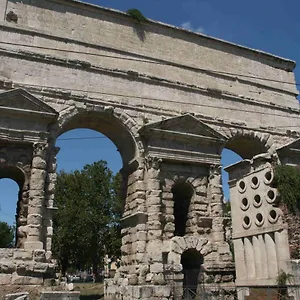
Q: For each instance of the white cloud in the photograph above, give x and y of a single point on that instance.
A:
(188, 25)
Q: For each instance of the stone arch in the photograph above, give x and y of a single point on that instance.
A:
(248, 143)
(116, 124)
(181, 244)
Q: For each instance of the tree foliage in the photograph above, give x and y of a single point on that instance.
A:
(6, 235)
(87, 223)
(287, 181)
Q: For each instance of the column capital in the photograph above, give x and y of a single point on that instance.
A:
(40, 149)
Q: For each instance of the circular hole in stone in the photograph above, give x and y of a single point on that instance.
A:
(247, 221)
(255, 180)
(271, 195)
(268, 176)
(257, 200)
(245, 204)
(259, 217)
(273, 214)
(245, 201)
(242, 186)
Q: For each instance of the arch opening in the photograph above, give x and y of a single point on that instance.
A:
(13, 208)
(246, 147)
(182, 195)
(107, 125)
(81, 148)
(191, 261)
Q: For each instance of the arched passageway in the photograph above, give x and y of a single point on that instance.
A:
(85, 140)
(191, 261)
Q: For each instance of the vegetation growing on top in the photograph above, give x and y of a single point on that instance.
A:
(136, 15)
(287, 181)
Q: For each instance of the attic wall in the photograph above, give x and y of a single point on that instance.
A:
(111, 33)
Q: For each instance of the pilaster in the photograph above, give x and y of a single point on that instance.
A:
(36, 197)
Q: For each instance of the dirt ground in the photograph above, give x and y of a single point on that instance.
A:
(88, 291)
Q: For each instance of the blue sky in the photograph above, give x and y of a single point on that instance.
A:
(271, 26)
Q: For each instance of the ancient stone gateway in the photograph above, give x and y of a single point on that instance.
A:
(169, 99)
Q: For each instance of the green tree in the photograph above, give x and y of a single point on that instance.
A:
(87, 223)
(6, 235)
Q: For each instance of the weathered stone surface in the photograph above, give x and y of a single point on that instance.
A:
(170, 126)
(60, 295)
(5, 279)
(17, 296)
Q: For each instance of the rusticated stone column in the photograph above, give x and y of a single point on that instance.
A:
(216, 194)
(36, 197)
(51, 179)
(154, 247)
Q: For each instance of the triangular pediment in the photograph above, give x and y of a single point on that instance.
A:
(185, 124)
(21, 100)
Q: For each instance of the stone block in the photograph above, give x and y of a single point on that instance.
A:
(152, 200)
(17, 296)
(156, 193)
(159, 279)
(5, 279)
(201, 190)
(34, 219)
(6, 253)
(141, 235)
(162, 291)
(39, 163)
(20, 254)
(136, 187)
(140, 246)
(154, 209)
(37, 179)
(154, 234)
(133, 279)
(146, 292)
(26, 280)
(153, 184)
(7, 266)
(156, 268)
(169, 227)
(60, 296)
(39, 255)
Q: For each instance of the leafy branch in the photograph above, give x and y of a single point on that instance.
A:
(287, 181)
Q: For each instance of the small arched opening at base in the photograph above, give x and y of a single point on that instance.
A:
(182, 194)
(191, 261)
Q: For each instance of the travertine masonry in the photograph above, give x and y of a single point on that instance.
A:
(170, 100)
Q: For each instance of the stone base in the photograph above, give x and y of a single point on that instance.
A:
(171, 291)
(60, 296)
(17, 296)
(25, 267)
(130, 292)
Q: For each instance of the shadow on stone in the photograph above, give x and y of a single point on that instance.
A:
(92, 297)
